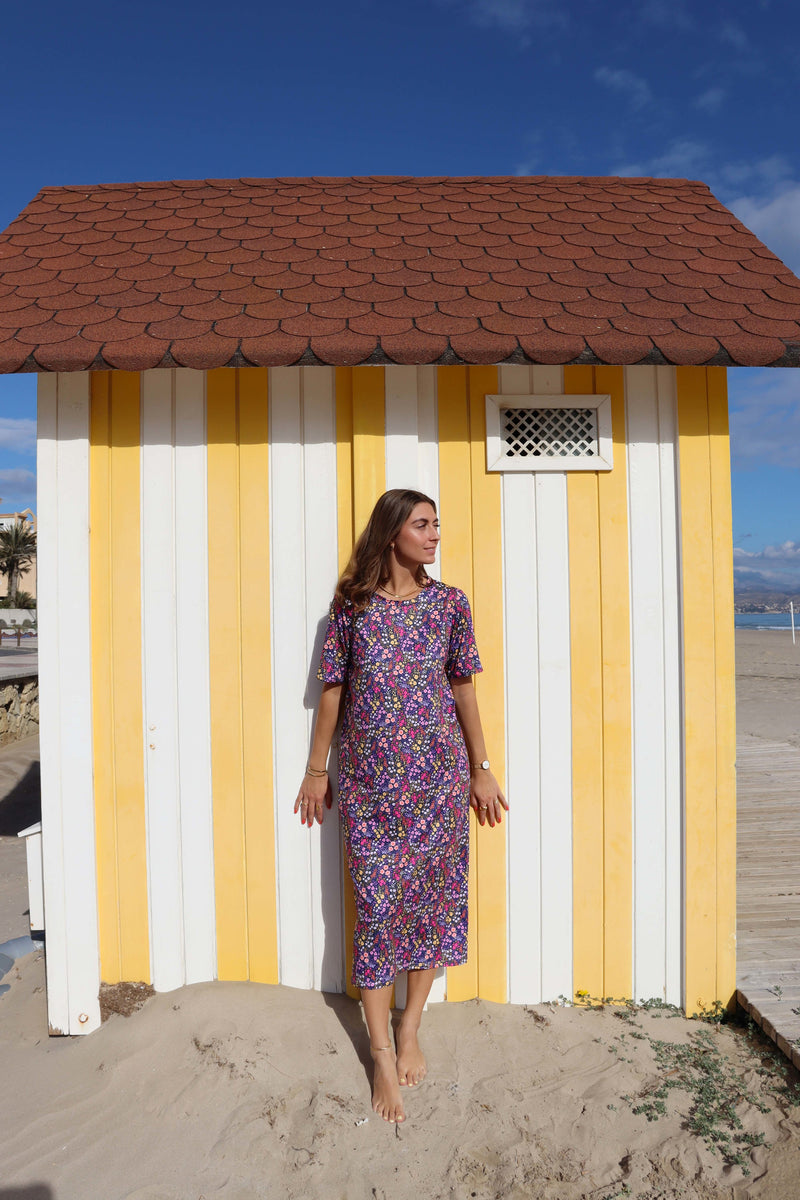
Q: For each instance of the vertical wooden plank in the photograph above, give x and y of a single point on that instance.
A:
(699, 688)
(670, 527)
(102, 676)
(647, 683)
(725, 683)
(555, 750)
(289, 668)
(68, 833)
(456, 560)
(256, 675)
(225, 629)
(523, 744)
(320, 565)
(487, 590)
(343, 383)
(126, 666)
(192, 642)
(159, 684)
(587, 709)
(615, 621)
(402, 462)
(369, 454)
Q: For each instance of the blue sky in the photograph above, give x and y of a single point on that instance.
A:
(93, 92)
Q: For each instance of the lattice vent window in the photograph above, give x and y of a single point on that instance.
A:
(562, 432)
(548, 433)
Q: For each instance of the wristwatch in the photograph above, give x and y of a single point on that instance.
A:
(483, 765)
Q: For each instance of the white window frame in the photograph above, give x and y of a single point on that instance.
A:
(496, 459)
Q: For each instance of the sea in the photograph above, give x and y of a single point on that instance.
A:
(767, 621)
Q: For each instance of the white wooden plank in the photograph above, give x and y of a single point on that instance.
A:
(402, 464)
(555, 733)
(159, 691)
(671, 680)
(55, 901)
(321, 572)
(68, 834)
(647, 684)
(555, 714)
(192, 670)
(428, 483)
(521, 638)
(290, 669)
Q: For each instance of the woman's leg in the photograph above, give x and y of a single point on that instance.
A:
(411, 1067)
(386, 1099)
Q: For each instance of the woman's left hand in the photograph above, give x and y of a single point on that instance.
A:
(486, 798)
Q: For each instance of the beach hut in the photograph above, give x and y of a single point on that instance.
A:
(230, 372)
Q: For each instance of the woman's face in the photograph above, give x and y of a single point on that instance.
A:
(418, 538)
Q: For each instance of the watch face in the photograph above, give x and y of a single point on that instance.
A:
(485, 764)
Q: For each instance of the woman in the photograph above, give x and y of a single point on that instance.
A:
(400, 646)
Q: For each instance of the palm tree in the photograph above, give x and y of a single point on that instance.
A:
(17, 551)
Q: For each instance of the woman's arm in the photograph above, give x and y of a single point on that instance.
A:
(315, 790)
(485, 795)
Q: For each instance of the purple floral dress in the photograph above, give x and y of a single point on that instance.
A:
(404, 777)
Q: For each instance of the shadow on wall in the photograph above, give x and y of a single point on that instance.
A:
(32, 1191)
(331, 861)
(19, 809)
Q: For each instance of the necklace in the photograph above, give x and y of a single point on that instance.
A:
(399, 595)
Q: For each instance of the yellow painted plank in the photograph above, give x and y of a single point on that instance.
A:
(612, 495)
(587, 713)
(722, 549)
(699, 670)
(124, 544)
(369, 450)
(456, 515)
(102, 678)
(224, 604)
(256, 668)
(487, 601)
(344, 463)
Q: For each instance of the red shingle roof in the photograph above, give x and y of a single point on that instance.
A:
(409, 270)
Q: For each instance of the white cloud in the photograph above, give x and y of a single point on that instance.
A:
(18, 434)
(683, 158)
(17, 489)
(775, 218)
(626, 82)
(765, 418)
(665, 15)
(511, 16)
(734, 35)
(710, 101)
(774, 566)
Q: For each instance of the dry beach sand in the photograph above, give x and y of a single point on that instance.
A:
(248, 1092)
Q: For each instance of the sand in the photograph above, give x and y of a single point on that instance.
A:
(768, 687)
(249, 1092)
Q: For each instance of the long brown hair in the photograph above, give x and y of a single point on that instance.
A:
(368, 567)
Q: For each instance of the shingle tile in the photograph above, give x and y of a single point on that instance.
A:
(204, 351)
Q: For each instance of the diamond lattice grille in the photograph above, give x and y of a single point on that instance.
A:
(549, 432)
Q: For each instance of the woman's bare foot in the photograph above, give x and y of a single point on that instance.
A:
(411, 1065)
(386, 1099)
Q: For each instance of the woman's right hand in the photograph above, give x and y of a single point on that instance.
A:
(314, 796)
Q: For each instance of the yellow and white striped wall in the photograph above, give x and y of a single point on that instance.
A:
(192, 527)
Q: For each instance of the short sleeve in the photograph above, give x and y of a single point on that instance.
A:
(335, 654)
(462, 655)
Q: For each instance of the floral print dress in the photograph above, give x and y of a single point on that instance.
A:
(404, 776)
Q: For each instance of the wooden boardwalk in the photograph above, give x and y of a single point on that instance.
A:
(768, 886)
